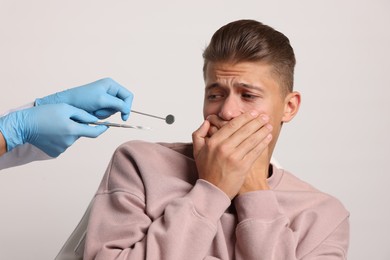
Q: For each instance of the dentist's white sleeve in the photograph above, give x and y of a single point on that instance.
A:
(21, 154)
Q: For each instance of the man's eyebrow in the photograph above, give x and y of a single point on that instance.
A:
(236, 85)
(213, 85)
(250, 86)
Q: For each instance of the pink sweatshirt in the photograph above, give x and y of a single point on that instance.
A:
(151, 205)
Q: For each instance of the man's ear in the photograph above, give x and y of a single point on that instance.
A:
(291, 106)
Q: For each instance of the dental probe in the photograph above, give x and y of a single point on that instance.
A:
(120, 125)
(169, 119)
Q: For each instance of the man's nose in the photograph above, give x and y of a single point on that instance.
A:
(229, 109)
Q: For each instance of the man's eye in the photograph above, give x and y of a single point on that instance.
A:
(248, 96)
(214, 96)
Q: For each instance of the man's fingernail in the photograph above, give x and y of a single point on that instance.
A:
(265, 118)
(254, 113)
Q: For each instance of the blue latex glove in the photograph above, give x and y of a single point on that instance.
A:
(51, 128)
(101, 98)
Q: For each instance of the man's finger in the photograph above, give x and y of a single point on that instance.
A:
(198, 137)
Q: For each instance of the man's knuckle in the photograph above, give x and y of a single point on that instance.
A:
(232, 124)
(223, 149)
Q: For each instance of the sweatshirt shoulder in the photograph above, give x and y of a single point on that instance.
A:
(286, 181)
(292, 186)
(142, 147)
(149, 157)
(139, 163)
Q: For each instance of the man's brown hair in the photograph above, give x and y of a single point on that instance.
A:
(250, 40)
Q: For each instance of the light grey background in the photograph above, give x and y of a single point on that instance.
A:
(339, 142)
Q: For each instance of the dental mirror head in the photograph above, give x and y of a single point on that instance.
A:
(169, 119)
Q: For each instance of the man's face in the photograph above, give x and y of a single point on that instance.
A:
(232, 89)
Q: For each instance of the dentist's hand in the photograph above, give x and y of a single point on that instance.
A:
(101, 98)
(225, 157)
(51, 128)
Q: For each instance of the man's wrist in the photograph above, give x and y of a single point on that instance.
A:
(258, 185)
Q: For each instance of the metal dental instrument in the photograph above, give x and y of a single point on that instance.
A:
(169, 119)
(120, 125)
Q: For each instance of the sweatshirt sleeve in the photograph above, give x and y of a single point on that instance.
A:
(121, 228)
(265, 232)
